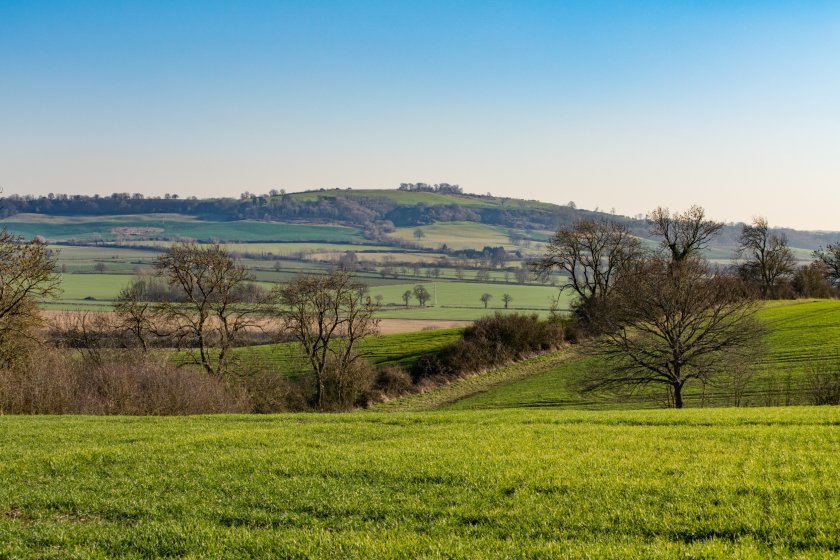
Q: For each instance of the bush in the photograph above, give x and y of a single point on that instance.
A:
(392, 381)
(135, 384)
(348, 386)
(489, 342)
(823, 378)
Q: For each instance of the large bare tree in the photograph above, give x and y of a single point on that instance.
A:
(671, 325)
(591, 254)
(27, 277)
(767, 259)
(212, 306)
(672, 318)
(328, 315)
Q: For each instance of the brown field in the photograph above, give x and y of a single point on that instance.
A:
(386, 326)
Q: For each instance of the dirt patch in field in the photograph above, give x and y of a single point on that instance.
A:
(393, 326)
(386, 326)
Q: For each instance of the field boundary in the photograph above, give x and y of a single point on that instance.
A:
(439, 397)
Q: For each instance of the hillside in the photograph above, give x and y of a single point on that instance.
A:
(803, 339)
(368, 210)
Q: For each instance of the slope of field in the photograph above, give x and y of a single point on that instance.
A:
(504, 484)
(409, 198)
(801, 336)
(402, 349)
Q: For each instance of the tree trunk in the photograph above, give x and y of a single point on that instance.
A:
(678, 400)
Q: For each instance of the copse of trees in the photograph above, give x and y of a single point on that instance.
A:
(664, 317)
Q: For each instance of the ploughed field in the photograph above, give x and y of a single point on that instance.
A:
(476, 484)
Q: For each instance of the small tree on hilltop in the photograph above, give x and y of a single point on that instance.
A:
(507, 298)
(485, 299)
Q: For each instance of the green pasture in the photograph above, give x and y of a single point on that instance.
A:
(408, 198)
(403, 198)
(100, 287)
(240, 231)
(736, 483)
(456, 235)
(465, 295)
(801, 336)
(400, 349)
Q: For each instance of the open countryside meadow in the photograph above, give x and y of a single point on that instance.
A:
(432, 280)
(512, 460)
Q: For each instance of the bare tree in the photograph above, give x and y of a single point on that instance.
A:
(214, 307)
(767, 257)
(591, 254)
(485, 299)
(683, 234)
(670, 326)
(136, 315)
(328, 315)
(27, 277)
(829, 257)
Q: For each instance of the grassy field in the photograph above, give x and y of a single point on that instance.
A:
(801, 334)
(166, 227)
(465, 295)
(739, 483)
(456, 235)
(402, 349)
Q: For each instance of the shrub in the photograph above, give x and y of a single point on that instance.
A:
(137, 384)
(348, 386)
(489, 342)
(392, 381)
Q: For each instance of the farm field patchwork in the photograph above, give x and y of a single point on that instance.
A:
(739, 483)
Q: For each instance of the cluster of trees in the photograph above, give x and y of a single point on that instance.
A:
(668, 316)
(201, 302)
(424, 187)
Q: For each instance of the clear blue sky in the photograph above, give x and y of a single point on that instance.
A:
(634, 104)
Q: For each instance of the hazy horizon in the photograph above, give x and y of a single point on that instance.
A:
(733, 106)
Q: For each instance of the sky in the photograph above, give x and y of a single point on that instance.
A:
(733, 105)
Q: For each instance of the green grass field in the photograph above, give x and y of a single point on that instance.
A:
(801, 334)
(401, 349)
(167, 227)
(456, 235)
(739, 483)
